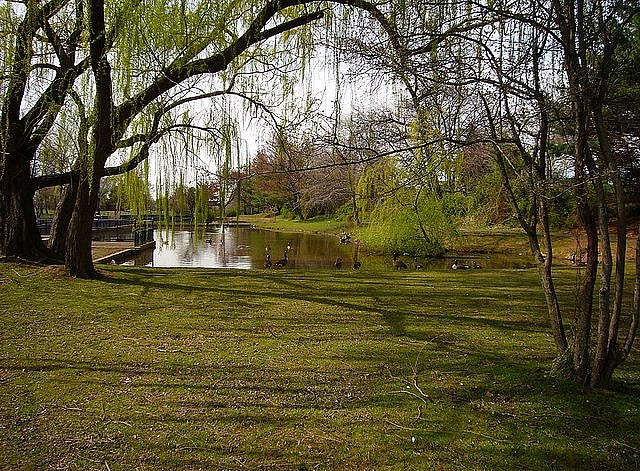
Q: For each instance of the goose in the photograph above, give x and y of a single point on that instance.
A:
(417, 265)
(459, 266)
(338, 263)
(283, 261)
(475, 265)
(356, 251)
(398, 264)
(209, 240)
(267, 263)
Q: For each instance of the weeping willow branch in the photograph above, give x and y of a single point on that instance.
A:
(147, 139)
(292, 24)
(177, 72)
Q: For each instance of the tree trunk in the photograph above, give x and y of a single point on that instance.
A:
(78, 259)
(606, 357)
(545, 265)
(584, 308)
(62, 218)
(19, 232)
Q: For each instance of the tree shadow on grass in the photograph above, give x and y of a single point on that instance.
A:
(394, 300)
(221, 410)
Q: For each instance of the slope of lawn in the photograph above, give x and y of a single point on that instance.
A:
(229, 369)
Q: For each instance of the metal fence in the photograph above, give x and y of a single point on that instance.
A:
(113, 229)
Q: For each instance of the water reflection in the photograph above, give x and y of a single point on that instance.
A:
(244, 247)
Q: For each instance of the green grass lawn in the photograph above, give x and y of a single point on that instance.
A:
(319, 224)
(229, 369)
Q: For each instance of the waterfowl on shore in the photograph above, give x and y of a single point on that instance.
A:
(338, 263)
(416, 265)
(459, 266)
(267, 263)
(398, 264)
(475, 265)
(345, 238)
(357, 265)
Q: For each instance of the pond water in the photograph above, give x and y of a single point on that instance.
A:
(244, 247)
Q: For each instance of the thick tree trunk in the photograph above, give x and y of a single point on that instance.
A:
(78, 259)
(62, 218)
(19, 232)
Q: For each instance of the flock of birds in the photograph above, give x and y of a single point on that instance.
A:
(278, 263)
(281, 263)
(399, 264)
(339, 263)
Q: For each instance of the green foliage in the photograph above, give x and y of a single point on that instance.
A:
(624, 104)
(287, 212)
(397, 224)
(488, 202)
(562, 210)
(456, 205)
(201, 204)
(133, 192)
(374, 184)
(344, 212)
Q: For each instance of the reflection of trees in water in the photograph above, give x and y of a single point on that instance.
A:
(244, 247)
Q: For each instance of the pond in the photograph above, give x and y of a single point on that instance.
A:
(245, 247)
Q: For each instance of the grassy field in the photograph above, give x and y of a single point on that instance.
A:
(229, 369)
(320, 224)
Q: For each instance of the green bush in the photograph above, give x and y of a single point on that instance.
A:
(344, 212)
(286, 213)
(424, 228)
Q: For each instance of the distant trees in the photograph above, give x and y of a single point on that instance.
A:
(279, 174)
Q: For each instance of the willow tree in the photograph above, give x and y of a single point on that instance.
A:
(38, 65)
(430, 60)
(157, 48)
